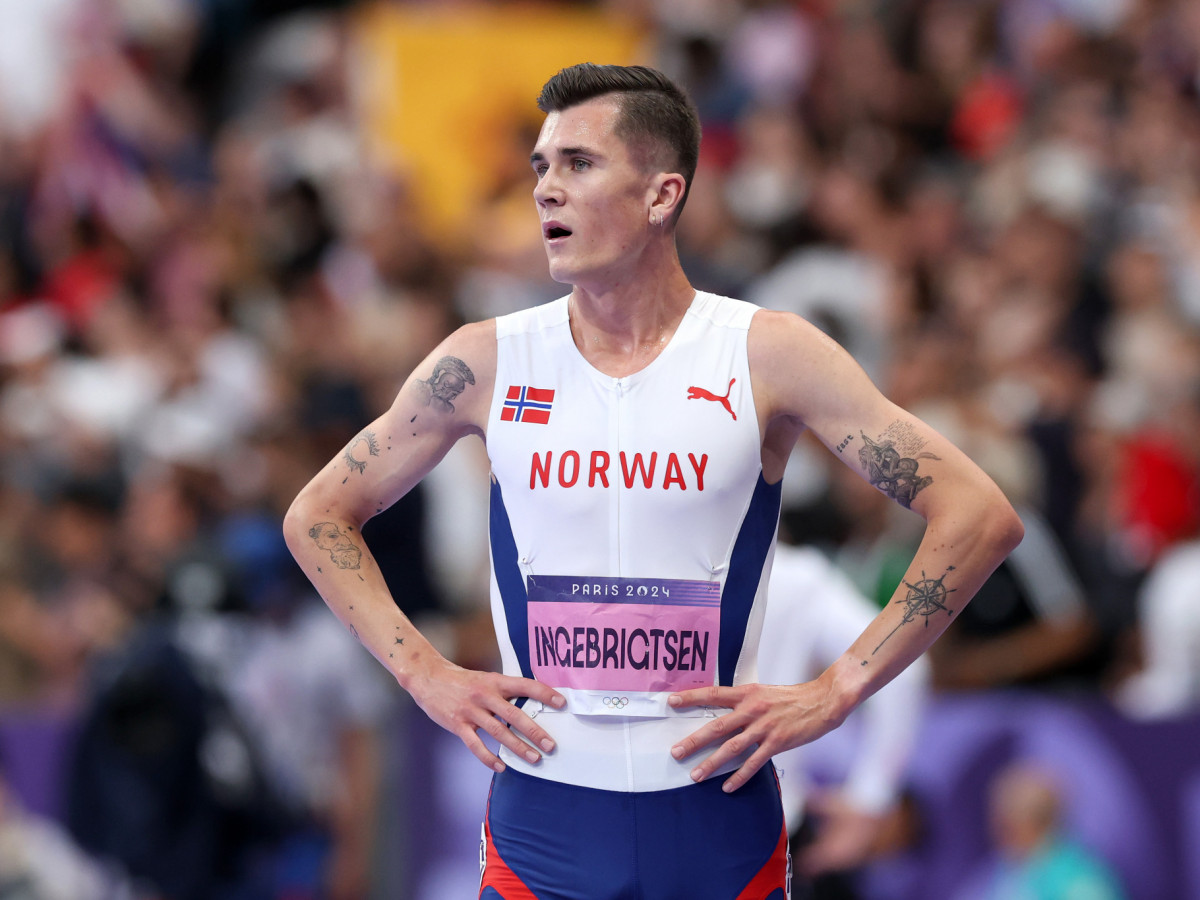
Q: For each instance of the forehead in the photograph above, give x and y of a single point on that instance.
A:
(589, 124)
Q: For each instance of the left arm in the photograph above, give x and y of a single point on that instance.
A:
(802, 379)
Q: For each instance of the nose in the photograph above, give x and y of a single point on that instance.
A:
(547, 191)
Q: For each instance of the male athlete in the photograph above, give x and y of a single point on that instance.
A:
(638, 432)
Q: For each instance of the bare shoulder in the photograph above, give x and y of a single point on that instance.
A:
(797, 370)
(453, 385)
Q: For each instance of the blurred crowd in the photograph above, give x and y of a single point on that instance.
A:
(209, 283)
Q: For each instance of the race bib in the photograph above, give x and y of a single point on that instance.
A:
(620, 646)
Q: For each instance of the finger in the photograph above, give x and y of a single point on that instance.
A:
(521, 721)
(469, 737)
(512, 686)
(719, 729)
(499, 730)
(729, 751)
(713, 695)
(757, 760)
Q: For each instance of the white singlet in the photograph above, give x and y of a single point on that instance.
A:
(631, 537)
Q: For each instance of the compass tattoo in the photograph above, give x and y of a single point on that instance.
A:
(372, 447)
(925, 598)
(449, 379)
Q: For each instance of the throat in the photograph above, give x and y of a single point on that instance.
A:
(619, 344)
(619, 357)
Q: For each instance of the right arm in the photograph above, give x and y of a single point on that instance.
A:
(447, 398)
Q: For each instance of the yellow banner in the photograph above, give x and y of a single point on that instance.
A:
(450, 93)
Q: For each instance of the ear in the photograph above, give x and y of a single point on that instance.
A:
(665, 194)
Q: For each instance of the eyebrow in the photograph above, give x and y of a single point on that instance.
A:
(537, 157)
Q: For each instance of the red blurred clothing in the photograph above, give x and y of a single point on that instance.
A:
(1158, 493)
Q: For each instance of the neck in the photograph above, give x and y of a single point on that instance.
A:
(621, 330)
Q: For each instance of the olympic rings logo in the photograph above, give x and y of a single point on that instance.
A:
(616, 702)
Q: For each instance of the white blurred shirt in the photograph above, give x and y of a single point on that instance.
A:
(813, 614)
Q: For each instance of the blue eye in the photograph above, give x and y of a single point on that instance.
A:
(579, 164)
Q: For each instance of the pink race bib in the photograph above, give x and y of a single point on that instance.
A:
(615, 636)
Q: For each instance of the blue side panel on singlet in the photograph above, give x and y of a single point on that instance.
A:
(745, 571)
(508, 578)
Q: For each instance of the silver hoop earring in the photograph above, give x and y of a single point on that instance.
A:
(658, 219)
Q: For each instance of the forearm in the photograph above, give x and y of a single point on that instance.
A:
(954, 559)
(328, 546)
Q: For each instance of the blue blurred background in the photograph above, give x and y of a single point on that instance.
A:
(230, 228)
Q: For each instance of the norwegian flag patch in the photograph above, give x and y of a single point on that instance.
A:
(527, 404)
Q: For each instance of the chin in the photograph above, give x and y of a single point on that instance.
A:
(561, 272)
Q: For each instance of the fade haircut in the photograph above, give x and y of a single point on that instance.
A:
(655, 115)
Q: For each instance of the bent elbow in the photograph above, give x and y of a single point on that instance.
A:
(1005, 527)
(293, 528)
(299, 520)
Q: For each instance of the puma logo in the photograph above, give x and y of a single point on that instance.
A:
(699, 393)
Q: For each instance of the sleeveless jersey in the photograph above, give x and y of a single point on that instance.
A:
(631, 537)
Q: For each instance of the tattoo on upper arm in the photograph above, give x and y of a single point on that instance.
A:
(925, 598)
(366, 438)
(343, 551)
(891, 462)
(449, 379)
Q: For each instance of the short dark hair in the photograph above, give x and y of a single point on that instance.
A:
(655, 113)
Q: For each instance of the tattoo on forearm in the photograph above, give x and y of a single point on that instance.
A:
(449, 379)
(925, 598)
(343, 551)
(891, 462)
(371, 447)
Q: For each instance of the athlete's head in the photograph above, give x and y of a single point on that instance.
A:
(657, 120)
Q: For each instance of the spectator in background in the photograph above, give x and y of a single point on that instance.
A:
(1034, 857)
(149, 782)
(315, 710)
(40, 861)
(813, 611)
(1166, 682)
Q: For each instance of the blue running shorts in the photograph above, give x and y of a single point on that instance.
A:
(544, 840)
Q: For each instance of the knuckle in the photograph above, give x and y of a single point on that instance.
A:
(476, 694)
(756, 704)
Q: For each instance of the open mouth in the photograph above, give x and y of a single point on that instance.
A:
(557, 231)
